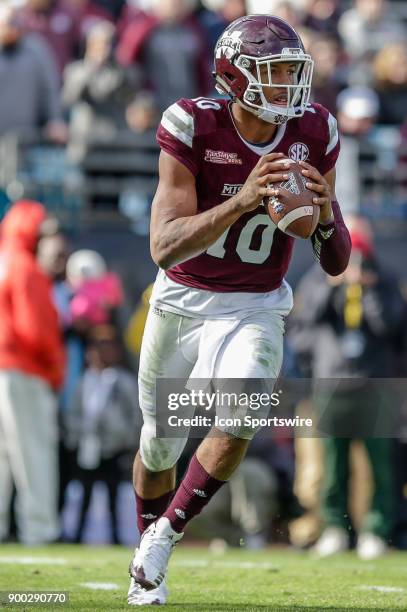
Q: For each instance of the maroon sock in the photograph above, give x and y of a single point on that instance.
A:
(149, 510)
(194, 492)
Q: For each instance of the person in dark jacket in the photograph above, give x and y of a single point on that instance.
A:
(30, 100)
(167, 44)
(102, 423)
(346, 328)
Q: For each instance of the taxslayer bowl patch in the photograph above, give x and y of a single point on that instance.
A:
(222, 157)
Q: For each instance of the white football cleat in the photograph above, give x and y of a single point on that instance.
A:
(137, 596)
(333, 540)
(149, 566)
(370, 546)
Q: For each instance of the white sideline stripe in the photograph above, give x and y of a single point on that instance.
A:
(190, 563)
(34, 560)
(246, 564)
(172, 129)
(293, 215)
(211, 562)
(382, 589)
(100, 586)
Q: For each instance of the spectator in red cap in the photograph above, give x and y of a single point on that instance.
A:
(31, 370)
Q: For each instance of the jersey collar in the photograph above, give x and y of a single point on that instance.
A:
(260, 149)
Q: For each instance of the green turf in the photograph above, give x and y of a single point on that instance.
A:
(274, 579)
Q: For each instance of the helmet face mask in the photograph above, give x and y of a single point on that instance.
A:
(246, 57)
(297, 92)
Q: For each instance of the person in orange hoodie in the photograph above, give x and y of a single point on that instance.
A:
(31, 371)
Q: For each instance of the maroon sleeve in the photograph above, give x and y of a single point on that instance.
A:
(332, 244)
(176, 132)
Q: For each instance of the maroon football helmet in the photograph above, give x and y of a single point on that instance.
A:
(245, 59)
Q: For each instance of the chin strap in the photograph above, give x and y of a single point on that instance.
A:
(272, 117)
(263, 114)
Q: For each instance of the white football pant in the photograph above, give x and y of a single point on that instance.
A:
(177, 346)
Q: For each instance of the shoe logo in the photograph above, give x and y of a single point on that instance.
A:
(199, 492)
(149, 516)
(179, 513)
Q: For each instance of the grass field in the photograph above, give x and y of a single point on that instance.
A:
(199, 580)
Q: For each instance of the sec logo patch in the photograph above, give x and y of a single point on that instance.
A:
(298, 151)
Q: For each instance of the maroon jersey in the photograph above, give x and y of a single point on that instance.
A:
(253, 254)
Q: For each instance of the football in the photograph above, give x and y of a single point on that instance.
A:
(293, 210)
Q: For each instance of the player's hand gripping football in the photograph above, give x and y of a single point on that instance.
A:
(271, 168)
(316, 182)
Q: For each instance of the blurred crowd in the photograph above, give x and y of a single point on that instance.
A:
(84, 70)
(68, 393)
(69, 401)
(81, 68)
(92, 78)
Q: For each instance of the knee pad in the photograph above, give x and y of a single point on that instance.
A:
(159, 454)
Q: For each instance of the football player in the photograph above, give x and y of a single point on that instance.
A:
(219, 301)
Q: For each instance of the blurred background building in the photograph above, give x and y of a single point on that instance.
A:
(84, 83)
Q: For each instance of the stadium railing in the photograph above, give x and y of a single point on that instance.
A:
(116, 180)
(115, 175)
